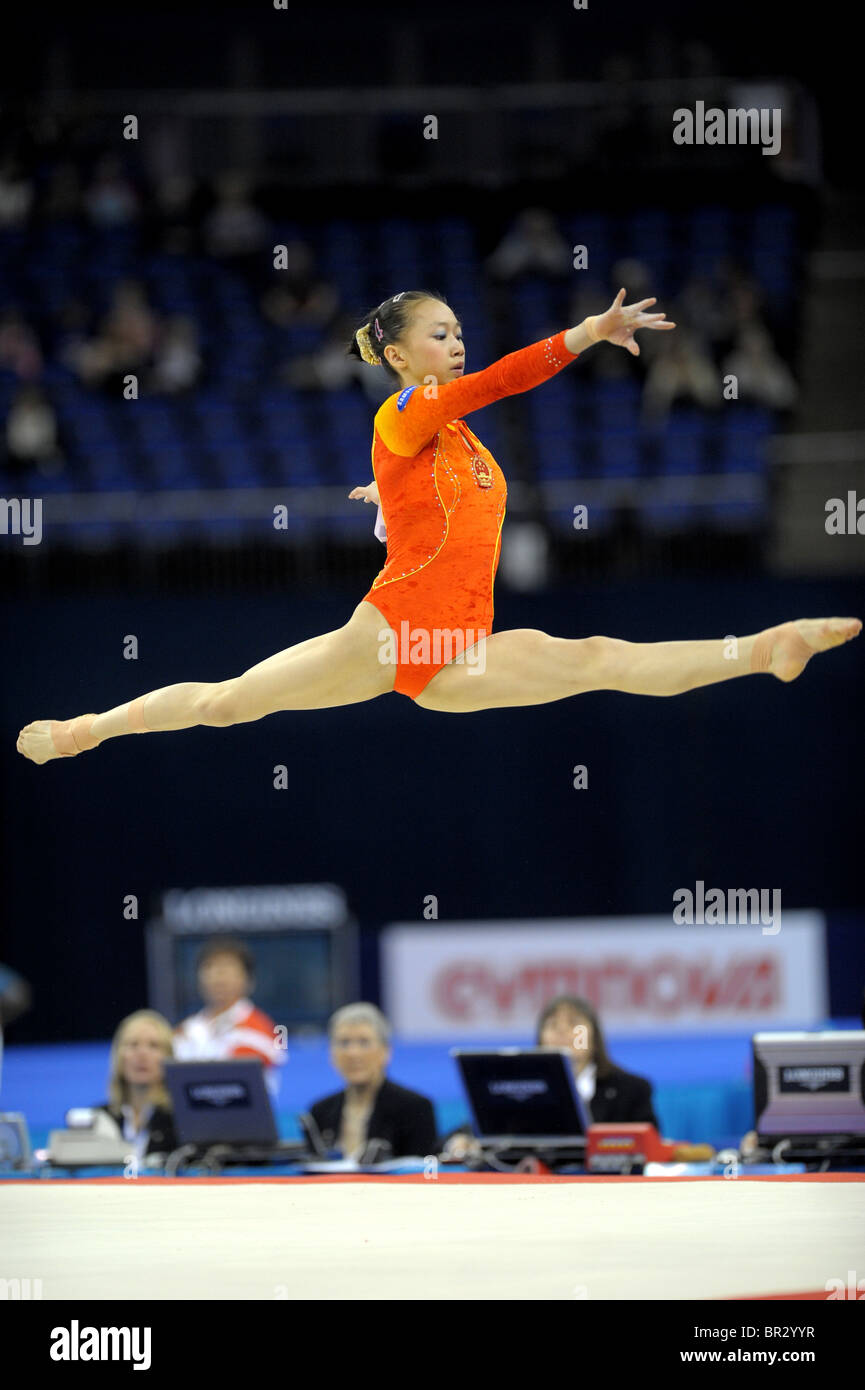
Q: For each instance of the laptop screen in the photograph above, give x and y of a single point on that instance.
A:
(809, 1083)
(220, 1102)
(522, 1093)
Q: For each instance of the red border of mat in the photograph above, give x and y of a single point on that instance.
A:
(812, 1296)
(450, 1178)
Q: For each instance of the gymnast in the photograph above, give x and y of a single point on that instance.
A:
(424, 627)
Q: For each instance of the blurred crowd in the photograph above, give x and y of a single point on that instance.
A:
(722, 329)
(723, 326)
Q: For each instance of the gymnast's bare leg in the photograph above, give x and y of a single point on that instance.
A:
(521, 667)
(527, 667)
(336, 668)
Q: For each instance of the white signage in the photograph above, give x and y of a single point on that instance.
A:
(642, 974)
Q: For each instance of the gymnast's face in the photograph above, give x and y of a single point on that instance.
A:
(567, 1028)
(358, 1054)
(431, 347)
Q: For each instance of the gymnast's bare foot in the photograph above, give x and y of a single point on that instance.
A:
(790, 647)
(45, 739)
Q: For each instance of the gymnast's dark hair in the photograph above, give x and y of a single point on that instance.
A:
(601, 1057)
(394, 317)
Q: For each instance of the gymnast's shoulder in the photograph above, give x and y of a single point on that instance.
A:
(397, 426)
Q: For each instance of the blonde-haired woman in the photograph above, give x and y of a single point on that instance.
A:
(138, 1102)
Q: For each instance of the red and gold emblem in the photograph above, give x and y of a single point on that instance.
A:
(482, 471)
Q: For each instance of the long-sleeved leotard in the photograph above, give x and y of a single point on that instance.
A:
(442, 498)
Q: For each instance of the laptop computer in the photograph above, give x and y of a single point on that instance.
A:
(225, 1103)
(523, 1097)
(809, 1085)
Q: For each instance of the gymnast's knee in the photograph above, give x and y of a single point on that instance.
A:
(219, 705)
(601, 661)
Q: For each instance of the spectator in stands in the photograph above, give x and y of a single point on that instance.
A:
(373, 1118)
(177, 364)
(759, 371)
(111, 199)
(173, 220)
(235, 232)
(681, 371)
(717, 305)
(71, 330)
(31, 433)
(331, 368)
(125, 341)
(704, 306)
(20, 352)
(229, 1025)
(296, 294)
(608, 1092)
(533, 246)
(138, 1102)
(16, 195)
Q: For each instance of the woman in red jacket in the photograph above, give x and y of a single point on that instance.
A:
(423, 629)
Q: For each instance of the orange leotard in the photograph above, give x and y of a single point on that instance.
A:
(443, 502)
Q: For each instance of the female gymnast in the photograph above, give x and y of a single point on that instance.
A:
(423, 629)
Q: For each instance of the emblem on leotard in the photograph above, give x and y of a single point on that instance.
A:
(482, 471)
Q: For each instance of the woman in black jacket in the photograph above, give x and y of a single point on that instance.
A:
(372, 1118)
(608, 1092)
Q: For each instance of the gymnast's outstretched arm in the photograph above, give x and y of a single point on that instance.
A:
(409, 418)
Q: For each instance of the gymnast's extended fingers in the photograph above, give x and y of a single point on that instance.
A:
(653, 321)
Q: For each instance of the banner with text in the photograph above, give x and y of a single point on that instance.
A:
(642, 974)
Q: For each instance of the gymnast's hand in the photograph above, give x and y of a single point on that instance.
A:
(621, 321)
(369, 494)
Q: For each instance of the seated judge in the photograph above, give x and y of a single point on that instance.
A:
(138, 1102)
(608, 1092)
(372, 1118)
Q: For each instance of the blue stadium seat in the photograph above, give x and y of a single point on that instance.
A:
(618, 454)
(172, 467)
(236, 465)
(747, 430)
(683, 443)
(108, 469)
(617, 403)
